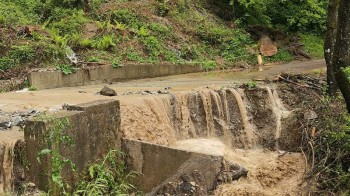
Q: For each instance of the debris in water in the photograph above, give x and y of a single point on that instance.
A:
(231, 172)
(146, 92)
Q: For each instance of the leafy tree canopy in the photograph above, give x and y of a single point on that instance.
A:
(290, 15)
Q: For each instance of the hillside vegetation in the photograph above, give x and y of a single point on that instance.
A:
(48, 33)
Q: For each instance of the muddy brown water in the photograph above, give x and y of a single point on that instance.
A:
(200, 113)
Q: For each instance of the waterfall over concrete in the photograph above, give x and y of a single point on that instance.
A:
(241, 118)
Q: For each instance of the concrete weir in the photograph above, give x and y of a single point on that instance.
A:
(94, 128)
(178, 142)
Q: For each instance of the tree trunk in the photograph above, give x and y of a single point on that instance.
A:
(342, 50)
(330, 40)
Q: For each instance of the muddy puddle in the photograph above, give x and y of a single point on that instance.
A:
(270, 172)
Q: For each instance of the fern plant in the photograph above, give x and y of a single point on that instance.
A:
(104, 43)
(107, 178)
(66, 69)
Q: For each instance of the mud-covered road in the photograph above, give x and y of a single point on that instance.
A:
(54, 98)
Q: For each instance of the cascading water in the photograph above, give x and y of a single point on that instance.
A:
(240, 118)
(8, 141)
(246, 126)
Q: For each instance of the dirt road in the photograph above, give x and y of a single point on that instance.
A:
(54, 98)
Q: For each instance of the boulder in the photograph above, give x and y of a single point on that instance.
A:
(267, 47)
(106, 91)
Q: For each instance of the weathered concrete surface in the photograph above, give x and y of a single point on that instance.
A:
(94, 128)
(160, 166)
(93, 75)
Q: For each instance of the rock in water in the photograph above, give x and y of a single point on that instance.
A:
(106, 91)
(267, 47)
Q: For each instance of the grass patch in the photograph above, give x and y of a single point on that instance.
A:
(313, 45)
(281, 56)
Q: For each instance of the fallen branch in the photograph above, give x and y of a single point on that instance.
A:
(313, 155)
(295, 83)
(306, 162)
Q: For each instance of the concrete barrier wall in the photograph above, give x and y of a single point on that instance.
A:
(106, 73)
(160, 166)
(94, 128)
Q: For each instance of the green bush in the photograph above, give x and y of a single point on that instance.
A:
(18, 12)
(109, 177)
(6, 63)
(160, 30)
(66, 3)
(213, 35)
(171, 56)
(281, 56)
(66, 69)
(163, 8)
(314, 45)
(127, 17)
(133, 55)
(307, 16)
(189, 53)
(234, 48)
(152, 46)
(67, 21)
(116, 63)
(93, 59)
(22, 54)
(209, 65)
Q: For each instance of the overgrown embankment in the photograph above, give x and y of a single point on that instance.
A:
(324, 125)
(36, 34)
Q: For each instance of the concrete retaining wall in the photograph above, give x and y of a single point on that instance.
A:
(103, 74)
(94, 128)
(171, 171)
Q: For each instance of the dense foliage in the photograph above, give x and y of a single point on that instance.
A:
(290, 15)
